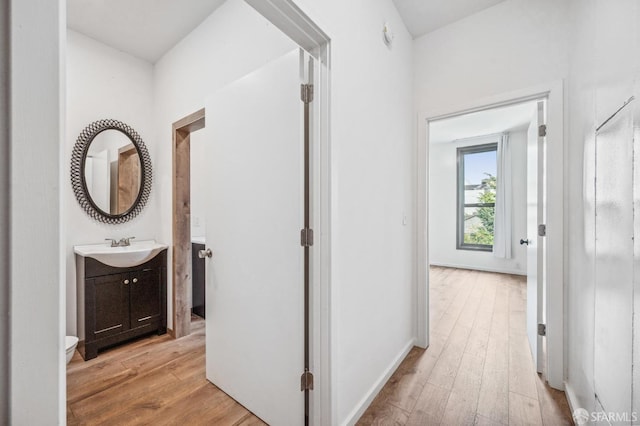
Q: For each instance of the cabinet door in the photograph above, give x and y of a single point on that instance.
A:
(111, 294)
(145, 297)
(197, 285)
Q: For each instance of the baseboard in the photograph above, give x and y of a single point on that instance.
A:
(571, 397)
(364, 403)
(480, 268)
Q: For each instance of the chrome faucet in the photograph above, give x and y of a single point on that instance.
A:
(124, 242)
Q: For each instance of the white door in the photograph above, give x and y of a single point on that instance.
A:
(535, 246)
(254, 294)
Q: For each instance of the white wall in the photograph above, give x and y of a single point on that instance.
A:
(38, 380)
(105, 83)
(230, 43)
(604, 70)
(443, 203)
(514, 45)
(372, 182)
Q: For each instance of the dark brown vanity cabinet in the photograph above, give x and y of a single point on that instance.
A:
(197, 281)
(118, 304)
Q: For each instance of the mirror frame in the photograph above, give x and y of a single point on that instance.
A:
(78, 181)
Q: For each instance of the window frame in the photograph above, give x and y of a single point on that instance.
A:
(460, 153)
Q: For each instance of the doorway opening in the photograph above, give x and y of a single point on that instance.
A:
(182, 243)
(474, 220)
(286, 16)
(485, 193)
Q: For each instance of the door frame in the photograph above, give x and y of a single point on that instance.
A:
(181, 221)
(555, 248)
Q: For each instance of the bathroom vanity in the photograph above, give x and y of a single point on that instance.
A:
(119, 303)
(121, 286)
(198, 277)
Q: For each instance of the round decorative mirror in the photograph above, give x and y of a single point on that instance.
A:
(111, 171)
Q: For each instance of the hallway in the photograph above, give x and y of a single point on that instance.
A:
(478, 367)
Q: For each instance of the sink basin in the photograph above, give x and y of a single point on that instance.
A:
(121, 257)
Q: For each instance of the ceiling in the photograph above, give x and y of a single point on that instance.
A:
(482, 123)
(143, 28)
(148, 29)
(424, 16)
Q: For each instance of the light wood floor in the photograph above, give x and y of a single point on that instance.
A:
(156, 380)
(478, 370)
(478, 367)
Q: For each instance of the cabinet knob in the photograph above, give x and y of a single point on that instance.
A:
(205, 253)
(135, 280)
(126, 281)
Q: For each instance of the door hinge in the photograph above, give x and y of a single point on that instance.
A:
(542, 130)
(306, 93)
(542, 329)
(306, 381)
(306, 237)
(542, 230)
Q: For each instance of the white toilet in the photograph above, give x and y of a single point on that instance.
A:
(70, 342)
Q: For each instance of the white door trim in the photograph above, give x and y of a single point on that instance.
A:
(298, 26)
(555, 249)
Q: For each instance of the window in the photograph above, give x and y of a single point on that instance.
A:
(477, 167)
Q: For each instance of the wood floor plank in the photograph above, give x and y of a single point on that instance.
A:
(483, 421)
(469, 376)
(145, 408)
(450, 318)
(463, 401)
(383, 415)
(84, 387)
(553, 405)
(430, 406)
(189, 365)
(250, 420)
(479, 336)
(437, 343)
(204, 406)
(523, 410)
(446, 368)
(493, 400)
(460, 410)
(517, 307)
(521, 370)
(472, 305)
(102, 405)
(157, 356)
(407, 383)
(195, 411)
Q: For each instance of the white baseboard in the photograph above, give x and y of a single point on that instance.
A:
(571, 397)
(364, 403)
(480, 268)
